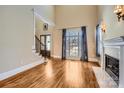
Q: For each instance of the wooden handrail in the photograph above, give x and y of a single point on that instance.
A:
(39, 40)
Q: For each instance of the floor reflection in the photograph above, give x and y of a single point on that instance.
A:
(49, 69)
(73, 73)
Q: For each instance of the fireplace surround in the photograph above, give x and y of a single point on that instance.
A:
(117, 42)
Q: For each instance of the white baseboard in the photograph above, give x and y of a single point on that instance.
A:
(18, 70)
(56, 56)
(93, 59)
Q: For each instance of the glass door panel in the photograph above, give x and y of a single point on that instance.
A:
(43, 42)
(48, 43)
(73, 43)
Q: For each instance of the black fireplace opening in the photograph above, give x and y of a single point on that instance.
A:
(112, 67)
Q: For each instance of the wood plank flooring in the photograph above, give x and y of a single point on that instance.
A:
(55, 74)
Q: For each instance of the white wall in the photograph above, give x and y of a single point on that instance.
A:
(75, 16)
(16, 34)
(39, 27)
(39, 30)
(45, 14)
(113, 27)
(57, 43)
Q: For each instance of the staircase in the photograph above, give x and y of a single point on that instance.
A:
(36, 53)
(36, 57)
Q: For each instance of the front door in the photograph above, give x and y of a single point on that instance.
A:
(73, 43)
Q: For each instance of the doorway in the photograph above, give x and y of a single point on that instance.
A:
(45, 45)
(73, 43)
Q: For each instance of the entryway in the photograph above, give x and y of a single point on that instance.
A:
(46, 45)
(74, 44)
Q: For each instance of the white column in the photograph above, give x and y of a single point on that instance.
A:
(121, 67)
(33, 46)
(102, 50)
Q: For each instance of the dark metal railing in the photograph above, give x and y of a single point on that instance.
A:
(38, 44)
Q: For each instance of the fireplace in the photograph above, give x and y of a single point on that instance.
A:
(112, 67)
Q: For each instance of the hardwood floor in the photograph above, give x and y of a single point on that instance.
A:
(55, 74)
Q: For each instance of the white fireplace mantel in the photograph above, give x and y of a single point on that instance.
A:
(118, 43)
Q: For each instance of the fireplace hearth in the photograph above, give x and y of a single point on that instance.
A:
(112, 67)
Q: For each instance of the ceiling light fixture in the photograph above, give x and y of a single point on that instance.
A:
(119, 11)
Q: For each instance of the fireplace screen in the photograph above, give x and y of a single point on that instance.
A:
(112, 67)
